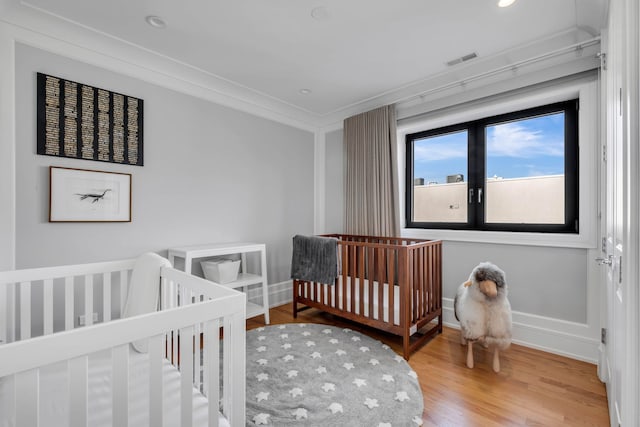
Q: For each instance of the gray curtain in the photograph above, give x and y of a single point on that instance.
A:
(371, 178)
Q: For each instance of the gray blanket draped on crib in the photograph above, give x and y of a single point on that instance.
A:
(315, 259)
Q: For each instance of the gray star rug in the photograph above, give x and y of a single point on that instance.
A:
(318, 375)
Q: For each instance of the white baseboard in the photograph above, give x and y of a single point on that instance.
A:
(570, 339)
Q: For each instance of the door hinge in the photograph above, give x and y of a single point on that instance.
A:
(603, 336)
(604, 153)
(603, 60)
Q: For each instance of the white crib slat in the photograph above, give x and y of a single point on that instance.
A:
(124, 279)
(197, 358)
(226, 365)
(88, 299)
(47, 306)
(186, 369)
(11, 313)
(106, 297)
(211, 369)
(27, 402)
(68, 303)
(78, 391)
(156, 357)
(25, 310)
(120, 381)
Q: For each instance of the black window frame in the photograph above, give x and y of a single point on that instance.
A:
(476, 165)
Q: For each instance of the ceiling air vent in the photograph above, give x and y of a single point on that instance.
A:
(462, 59)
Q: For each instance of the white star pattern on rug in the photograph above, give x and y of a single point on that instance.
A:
(302, 325)
(327, 387)
(261, 419)
(300, 413)
(335, 407)
(359, 382)
(296, 391)
(386, 347)
(401, 396)
(371, 403)
(260, 329)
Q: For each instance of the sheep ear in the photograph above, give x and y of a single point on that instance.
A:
(467, 283)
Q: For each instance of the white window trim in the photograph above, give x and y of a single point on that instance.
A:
(589, 171)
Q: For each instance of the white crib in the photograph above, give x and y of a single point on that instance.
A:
(90, 374)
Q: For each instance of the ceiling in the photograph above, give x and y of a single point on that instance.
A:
(354, 51)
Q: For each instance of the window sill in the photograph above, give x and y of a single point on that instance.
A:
(505, 238)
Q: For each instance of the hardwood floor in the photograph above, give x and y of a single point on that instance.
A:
(533, 388)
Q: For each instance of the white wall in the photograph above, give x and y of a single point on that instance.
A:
(211, 174)
(334, 187)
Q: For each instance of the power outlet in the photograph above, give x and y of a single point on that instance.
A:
(82, 322)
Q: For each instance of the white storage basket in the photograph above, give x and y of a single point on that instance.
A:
(220, 271)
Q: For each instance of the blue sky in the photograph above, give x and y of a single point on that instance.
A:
(524, 148)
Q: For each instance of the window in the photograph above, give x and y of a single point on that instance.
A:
(512, 172)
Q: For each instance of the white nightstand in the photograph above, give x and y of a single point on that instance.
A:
(245, 279)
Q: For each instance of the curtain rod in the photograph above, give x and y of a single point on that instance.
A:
(577, 47)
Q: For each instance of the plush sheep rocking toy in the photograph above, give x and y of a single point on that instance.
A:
(483, 310)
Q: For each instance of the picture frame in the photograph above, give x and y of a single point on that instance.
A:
(82, 195)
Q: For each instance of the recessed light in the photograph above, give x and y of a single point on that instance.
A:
(305, 91)
(505, 3)
(320, 13)
(155, 21)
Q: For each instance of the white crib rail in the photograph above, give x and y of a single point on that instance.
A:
(202, 308)
(19, 285)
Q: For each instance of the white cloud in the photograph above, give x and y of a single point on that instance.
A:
(435, 151)
(514, 140)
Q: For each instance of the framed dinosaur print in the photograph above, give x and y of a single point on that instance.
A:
(81, 195)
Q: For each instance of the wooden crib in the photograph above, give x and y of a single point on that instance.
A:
(55, 372)
(361, 292)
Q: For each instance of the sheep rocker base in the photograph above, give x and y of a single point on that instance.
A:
(483, 310)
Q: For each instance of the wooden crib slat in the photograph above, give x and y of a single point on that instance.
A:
(106, 297)
(68, 303)
(186, 371)
(352, 283)
(47, 306)
(381, 263)
(391, 281)
(371, 278)
(345, 276)
(156, 355)
(361, 262)
(27, 398)
(88, 300)
(25, 310)
(120, 385)
(212, 373)
(78, 392)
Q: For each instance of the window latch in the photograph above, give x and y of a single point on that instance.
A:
(479, 195)
(470, 195)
